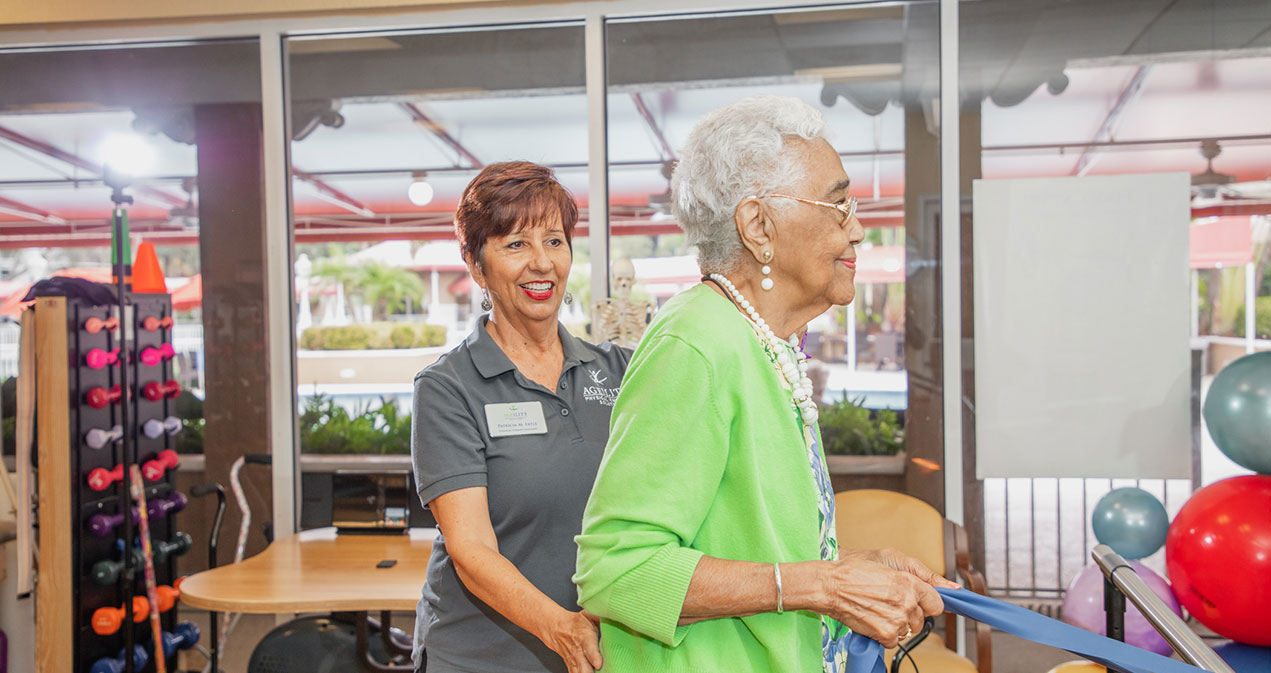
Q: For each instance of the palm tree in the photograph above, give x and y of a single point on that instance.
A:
(386, 288)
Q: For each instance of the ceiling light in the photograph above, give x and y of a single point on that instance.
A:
(420, 191)
(127, 154)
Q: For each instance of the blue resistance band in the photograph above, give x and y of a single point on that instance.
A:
(866, 656)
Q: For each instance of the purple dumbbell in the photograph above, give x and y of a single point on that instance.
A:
(103, 525)
(170, 504)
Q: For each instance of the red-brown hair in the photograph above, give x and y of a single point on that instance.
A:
(508, 197)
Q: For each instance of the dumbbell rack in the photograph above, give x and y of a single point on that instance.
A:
(67, 595)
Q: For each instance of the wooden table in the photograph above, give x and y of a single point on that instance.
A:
(319, 571)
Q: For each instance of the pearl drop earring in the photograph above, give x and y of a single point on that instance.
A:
(766, 283)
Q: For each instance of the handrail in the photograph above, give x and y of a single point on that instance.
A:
(1189, 646)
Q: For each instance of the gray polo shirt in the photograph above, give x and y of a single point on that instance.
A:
(479, 422)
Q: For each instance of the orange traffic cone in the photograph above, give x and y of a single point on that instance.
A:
(146, 275)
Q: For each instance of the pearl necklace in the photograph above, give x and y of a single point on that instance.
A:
(790, 360)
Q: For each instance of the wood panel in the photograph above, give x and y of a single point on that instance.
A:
(55, 601)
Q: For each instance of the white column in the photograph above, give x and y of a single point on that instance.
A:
(434, 291)
(279, 316)
(951, 270)
(597, 155)
(1251, 307)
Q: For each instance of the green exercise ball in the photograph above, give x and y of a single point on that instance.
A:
(1238, 411)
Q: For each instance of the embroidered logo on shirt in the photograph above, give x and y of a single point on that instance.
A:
(599, 393)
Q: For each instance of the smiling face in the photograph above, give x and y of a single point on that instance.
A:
(525, 271)
(815, 251)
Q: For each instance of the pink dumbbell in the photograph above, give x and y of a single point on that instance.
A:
(154, 469)
(98, 358)
(151, 356)
(155, 391)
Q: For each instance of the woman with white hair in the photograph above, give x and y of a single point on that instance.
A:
(708, 540)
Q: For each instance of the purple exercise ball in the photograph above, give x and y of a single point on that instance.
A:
(1083, 607)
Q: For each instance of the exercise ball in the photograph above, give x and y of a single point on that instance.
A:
(1245, 658)
(1238, 411)
(1131, 521)
(318, 645)
(1218, 556)
(1083, 607)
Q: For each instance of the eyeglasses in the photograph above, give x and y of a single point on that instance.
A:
(847, 209)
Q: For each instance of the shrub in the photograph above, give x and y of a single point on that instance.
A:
(847, 428)
(375, 335)
(326, 427)
(403, 336)
(346, 338)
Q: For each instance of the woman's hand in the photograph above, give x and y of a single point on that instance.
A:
(574, 636)
(904, 563)
(874, 598)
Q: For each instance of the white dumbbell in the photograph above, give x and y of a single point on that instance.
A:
(154, 427)
(98, 438)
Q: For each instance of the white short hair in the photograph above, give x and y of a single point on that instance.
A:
(736, 151)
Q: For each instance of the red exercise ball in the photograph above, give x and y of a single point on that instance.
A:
(1218, 557)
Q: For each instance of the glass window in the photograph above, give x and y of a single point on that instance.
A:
(387, 130)
(1053, 89)
(158, 112)
(875, 78)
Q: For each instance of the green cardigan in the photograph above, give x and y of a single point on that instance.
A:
(705, 456)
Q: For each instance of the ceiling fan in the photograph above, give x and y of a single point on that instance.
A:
(1211, 185)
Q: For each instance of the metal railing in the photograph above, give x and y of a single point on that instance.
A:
(1185, 642)
(1037, 532)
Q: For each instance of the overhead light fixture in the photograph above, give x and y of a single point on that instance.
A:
(127, 154)
(420, 191)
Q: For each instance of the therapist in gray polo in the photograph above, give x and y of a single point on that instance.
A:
(509, 428)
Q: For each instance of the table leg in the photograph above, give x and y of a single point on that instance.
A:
(391, 644)
(364, 650)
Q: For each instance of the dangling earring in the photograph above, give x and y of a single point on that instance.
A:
(569, 297)
(486, 304)
(766, 283)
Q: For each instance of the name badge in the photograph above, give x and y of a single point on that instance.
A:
(518, 418)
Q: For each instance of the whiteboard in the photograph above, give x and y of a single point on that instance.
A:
(1082, 327)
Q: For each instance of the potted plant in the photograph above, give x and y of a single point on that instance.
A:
(858, 440)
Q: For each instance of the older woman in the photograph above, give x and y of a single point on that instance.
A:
(509, 428)
(708, 541)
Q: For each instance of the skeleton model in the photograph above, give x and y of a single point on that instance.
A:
(618, 318)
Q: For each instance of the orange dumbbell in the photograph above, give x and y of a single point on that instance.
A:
(95, 325)
(155, 323)
(108, 620)
(168, 596)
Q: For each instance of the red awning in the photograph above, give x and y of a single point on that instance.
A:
(462, 286)
(1221, 241)
(190, 295)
